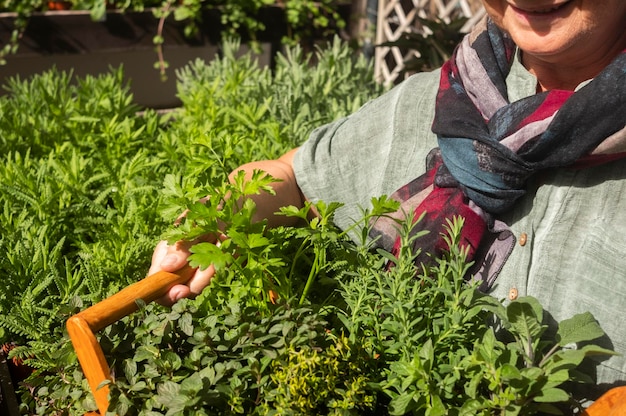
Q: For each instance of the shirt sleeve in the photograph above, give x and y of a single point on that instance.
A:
(372, 152)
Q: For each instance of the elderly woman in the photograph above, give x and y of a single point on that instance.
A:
(528, 123)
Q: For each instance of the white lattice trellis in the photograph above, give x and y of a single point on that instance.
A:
(396, 17)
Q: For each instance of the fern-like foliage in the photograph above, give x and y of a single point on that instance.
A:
(84, 196)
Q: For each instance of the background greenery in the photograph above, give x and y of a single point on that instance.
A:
(304, 19)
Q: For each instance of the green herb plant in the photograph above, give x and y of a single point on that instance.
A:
(89, 185)
(528, 375)
(82, 200)
(196, 360)
(435, 331)
(414, 346)
(78, 215)
(254, 264)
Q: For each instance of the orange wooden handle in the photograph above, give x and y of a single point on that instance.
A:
(82, 326)
(91, 359)
(123, 303)
(611, 403)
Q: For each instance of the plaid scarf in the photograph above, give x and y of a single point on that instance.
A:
(489, 148)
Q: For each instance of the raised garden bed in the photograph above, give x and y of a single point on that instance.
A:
(72, 41)
(9, 405)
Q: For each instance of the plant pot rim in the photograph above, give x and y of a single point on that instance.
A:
(74, 12)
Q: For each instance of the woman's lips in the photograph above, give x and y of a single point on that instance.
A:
(542, 12)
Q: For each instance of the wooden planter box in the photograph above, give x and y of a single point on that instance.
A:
(9, 405)
(71, 40)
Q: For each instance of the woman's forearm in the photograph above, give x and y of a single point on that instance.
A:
(286, 189)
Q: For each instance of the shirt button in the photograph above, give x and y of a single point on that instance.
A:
(513, 293)
(522, 239)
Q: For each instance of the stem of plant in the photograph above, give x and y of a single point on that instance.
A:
(296, 257)
(548, 355)
(309, 281)
(159, 47)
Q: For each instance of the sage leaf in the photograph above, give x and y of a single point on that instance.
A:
(590, 350)
(525, 314)
(552, 395)
(579, 328)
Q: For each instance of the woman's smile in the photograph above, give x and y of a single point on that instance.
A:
(530, 13)
(540, 9)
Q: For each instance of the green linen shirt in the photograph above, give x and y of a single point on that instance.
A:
(573, 222)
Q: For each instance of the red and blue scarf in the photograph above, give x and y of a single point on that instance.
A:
(488, 148)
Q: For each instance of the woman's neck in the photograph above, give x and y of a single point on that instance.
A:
(562, 78)
(567, 73)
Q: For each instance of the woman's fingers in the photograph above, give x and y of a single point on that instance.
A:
(200, 280)
(191, 289)
(171, 258)
(159, 253)
(176, 293)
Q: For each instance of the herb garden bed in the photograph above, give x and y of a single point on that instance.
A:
(298, 320)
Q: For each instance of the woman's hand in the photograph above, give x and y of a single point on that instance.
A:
(171, 258)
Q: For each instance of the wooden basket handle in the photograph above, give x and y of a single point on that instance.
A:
(82, 326)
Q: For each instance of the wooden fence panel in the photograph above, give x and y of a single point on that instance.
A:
(396, 17)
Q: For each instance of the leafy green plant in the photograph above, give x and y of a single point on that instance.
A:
(253, 261)
(443, 354)
(82, 186)
(414, 346)
(236, 111)
(314, 381)
(197, 360)
(89, 185)
(77, 195)
(528, 375)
